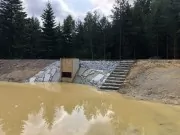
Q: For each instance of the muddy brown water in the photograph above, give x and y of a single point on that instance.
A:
(68, 109)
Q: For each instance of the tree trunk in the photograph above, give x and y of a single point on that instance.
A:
(167, 48)
(120, 35)
(92, 53)
(157, 49)
(134, 52)
(104, 46)
(175, 47)
(120, 42)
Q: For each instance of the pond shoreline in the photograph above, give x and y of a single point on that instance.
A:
(151, 80)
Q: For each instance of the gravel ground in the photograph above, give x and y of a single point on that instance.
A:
(91, 77)
(99, 65)
(20, 70)
(94, 73)
(154, 80)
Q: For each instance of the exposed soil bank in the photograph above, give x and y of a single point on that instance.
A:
(20, 70)
(157, 80)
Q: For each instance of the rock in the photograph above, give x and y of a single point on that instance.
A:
(40, 74)
(39, 80)
(48, 71)
(99, 65)
(56, 77)
(88, 72)
(31, 80)
(47, 77)
(53, 71)
(97, 79)
(57, 64)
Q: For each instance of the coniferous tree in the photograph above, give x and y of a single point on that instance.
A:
(12, 24)
(105, 27)
(33, 34)
(78, 42)
(118, 17)
(49, 38)
(59, 40)
(145, 29)
(89, 33)
(68, 30)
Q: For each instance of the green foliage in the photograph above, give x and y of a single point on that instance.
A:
(12, 28)
(33, 35)
(68, 34)
(145, 29)
(59, 40)
(49, 38)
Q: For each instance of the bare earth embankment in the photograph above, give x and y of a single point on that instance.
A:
(20, 70)
(156, 80)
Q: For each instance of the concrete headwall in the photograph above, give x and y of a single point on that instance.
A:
(69, 65)
(76, 65)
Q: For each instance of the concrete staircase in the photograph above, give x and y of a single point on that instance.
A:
(118, 76)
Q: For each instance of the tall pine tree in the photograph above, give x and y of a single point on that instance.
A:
(59, 40)
(68, 34)
(33, 33)
(12, 27)
(49, 38)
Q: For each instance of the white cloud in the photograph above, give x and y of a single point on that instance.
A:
(104, 5)
(62, 8)
(75, 123)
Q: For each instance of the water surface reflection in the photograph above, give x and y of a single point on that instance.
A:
(66, 124)
(67, 109)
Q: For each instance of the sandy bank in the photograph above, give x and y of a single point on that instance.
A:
(157, 80)
(20, 70)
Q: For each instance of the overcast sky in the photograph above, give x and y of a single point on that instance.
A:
(62, 8)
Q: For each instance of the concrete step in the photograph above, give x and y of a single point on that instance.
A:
(117, 75)
(122, 64)
(125, 65)
(114, 81)
(127, 61)
(119, 72)
(122, 70)
(122, 67)
(116, 78)
(112, 84)
(109, 88)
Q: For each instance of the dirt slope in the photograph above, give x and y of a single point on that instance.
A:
(156, 80)
(20, 70)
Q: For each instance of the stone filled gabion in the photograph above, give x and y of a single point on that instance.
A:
(99, 65)
(51, 73)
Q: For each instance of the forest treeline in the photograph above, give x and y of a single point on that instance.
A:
(146, 29)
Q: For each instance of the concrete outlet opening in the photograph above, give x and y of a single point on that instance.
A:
(69, 68)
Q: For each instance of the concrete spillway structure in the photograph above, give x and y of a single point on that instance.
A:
(69, 68)
(117, 78)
